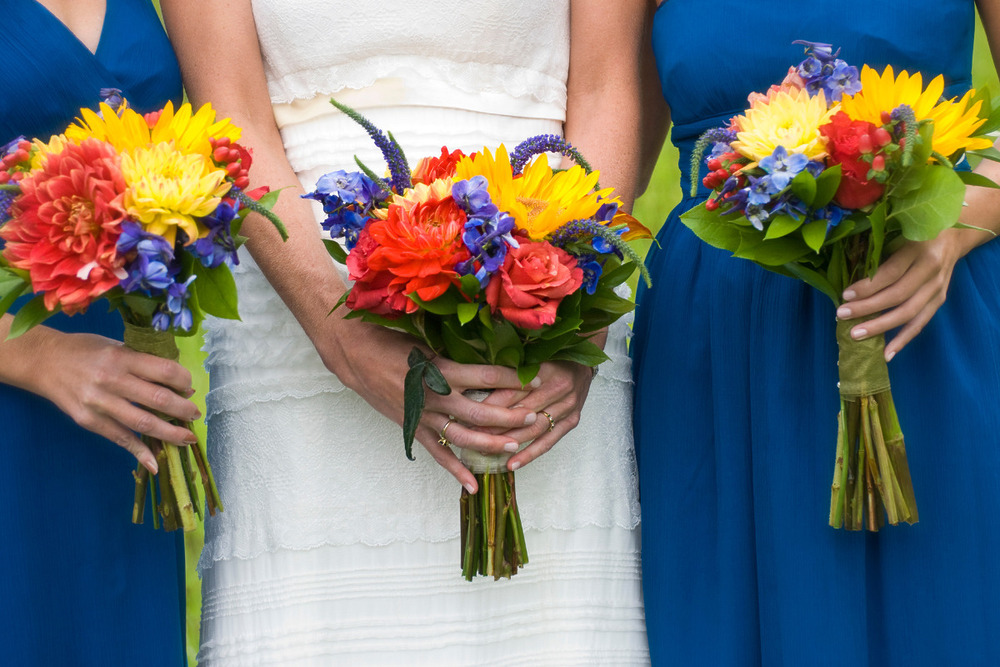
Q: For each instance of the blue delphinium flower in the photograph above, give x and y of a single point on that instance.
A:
(833, 215)
(473, 197)
(823, 70)
(789, 204)
(113, 97)
(592, 270)
(347, 198)
(218, 246)
(760, 190)
(782, 167)
(487, 240)
(174, 312)
(843, 80)
(757, 215)
(153, 268)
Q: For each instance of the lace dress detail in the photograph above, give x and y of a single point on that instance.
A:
(332, 543)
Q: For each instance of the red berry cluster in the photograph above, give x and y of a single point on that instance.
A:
(234, 159)
(18, 157)
(721, 168)
(874, 145)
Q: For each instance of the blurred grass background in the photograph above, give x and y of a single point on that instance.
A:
(651, 209)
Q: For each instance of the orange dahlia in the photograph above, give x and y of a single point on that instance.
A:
(66, 223)
(419, 243)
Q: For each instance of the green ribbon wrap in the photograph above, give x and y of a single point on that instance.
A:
(149, 340)
(863, 371)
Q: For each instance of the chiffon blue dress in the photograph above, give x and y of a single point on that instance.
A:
(736, 397)
(79, 584)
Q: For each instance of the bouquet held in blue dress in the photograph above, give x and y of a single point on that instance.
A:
(821, 179)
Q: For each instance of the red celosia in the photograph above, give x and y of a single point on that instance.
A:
(65, 226)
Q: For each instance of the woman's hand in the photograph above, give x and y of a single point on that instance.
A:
(372, 361)
(907, 290)
(106, 388)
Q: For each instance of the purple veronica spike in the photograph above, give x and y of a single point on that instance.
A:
(6, 199)
(544, 143)
(391, 151)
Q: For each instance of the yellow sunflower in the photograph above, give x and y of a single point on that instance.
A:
(791, 119)
(539, 200)
(168, 190)
(189, 131)
(954, 122)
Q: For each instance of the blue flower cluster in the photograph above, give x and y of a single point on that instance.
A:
(488, 231)
(348, 199)
(152, 271)
(218, 247)
(823, 70)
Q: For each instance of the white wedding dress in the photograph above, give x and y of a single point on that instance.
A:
(333, 548)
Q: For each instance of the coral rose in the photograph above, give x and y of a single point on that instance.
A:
(532, 282)
(66, 224)
(844, 135)
(419, 243)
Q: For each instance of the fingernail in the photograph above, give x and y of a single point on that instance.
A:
(849, 294)
(197, 415)
(844, 313)
(889, 356)
(191, 440)
(471, 489)
(536, 383)
(530, 418)
(511, 447)
(515, 465)
(150, 465)
(858, 334)
(189, 393)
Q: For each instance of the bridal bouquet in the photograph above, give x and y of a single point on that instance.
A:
(490, 258)
(821, 179)
(143, 211)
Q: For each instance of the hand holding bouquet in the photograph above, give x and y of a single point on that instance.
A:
(821, 179)
(144, 211)
(490, 258)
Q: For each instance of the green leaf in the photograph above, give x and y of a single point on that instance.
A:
(538, 351)
(774, 252)
(467, 312)
(781, 225)
(845, 228)
(413, 405)
(618, 275)
(613, 304)
(435, 380)
(510, 356)
(972, 178)
(470, 285)
(926, 212)
(827, 185)
(216, 291)
(12, 287)
(562, 326)
(336, 250)
(804, 187)
(461, 349)
(270, 198)
(584, 352)
(711, 228)
(30, 314)
(143, 306)
(446, 304)
(990, 153)
(527, 373)
(813, 278)
(814, 234)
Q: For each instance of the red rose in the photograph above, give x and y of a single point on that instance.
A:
(844, 135)
(532, 282)
(432, 168)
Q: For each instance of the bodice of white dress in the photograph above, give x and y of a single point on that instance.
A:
(325, 468)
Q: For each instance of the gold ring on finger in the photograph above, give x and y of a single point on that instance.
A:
(552, 422)
(443, 440)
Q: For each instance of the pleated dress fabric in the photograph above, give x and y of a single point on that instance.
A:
(80, 585)
(736, 398)
(334, 549)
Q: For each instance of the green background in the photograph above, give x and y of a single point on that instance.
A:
(651, 209)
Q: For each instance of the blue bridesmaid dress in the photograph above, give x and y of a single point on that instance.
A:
(79, 584)
(736, 398)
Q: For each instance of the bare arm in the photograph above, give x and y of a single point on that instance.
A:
(228, 71)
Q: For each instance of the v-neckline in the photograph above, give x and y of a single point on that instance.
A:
(100, 38)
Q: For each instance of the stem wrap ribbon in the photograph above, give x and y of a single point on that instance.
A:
(863, 371)
(150, 341)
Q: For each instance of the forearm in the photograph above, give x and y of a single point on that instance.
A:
(22, 359)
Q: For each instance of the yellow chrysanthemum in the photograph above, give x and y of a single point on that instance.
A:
(168, 190)
(55, 144)
(954, 122)
(189, 132)
(539, 200)
(791, 119)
